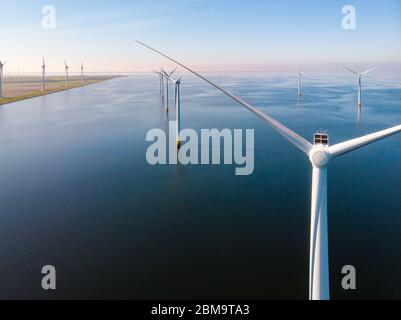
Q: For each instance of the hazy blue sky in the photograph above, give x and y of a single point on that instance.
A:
(208, 34)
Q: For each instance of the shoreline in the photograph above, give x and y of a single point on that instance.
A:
(39, 93)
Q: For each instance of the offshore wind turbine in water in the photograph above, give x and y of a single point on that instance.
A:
(320, 153)
(177, 103)
(300, 75)
(1, 78)
(360, 82)
(161, 82)
(167, 75)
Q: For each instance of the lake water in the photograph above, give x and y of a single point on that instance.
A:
(76, 192)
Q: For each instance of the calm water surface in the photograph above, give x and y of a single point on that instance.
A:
(76, 192)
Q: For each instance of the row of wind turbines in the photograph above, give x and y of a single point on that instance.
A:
(320, 153)
(165, 78)
(44, 68)
(66, 68)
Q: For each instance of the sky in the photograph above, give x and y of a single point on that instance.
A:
(210, 35)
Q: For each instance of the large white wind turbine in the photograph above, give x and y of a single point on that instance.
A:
(1, 78)
(43, 74)
(300, 74)
(66, 74)
(320, 153)
(82, 72)
(359, 75)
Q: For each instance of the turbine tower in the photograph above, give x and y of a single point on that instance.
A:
(359, 75)
(1, 78)
(320, 153)
(178, 109)
(82, 72)
(300, 74)
(66, 74)
(43, 75)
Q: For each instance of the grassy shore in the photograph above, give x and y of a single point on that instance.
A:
(22, 88)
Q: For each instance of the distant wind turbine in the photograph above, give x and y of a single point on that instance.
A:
(167, 86)
(320, 154)
(177, 102)
(161, 83)
(82, 73)
(66, 74)
(43, 75)
(300, 74)
(1, 78)
(360, 82)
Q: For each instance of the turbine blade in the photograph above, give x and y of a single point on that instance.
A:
(172, 72)
(350, 145)
(367, 71)
(291, 136)
(350, 70)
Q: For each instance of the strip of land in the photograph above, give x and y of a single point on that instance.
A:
(26, 87)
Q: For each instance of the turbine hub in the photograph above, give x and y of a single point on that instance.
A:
(319, 156)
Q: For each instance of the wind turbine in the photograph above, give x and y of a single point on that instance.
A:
(66, 74)
(1, 78)
(177, 102)
(360, 82)
(160, 82)
(320, 153)
(43, 74)
(300, 74)
(167, 75)
(82, 72)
